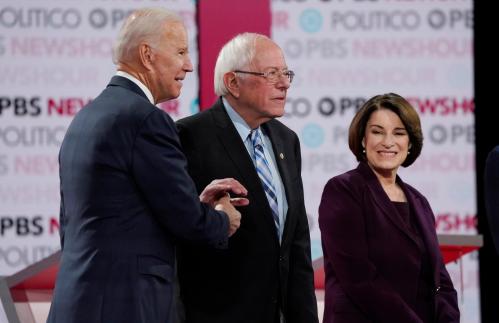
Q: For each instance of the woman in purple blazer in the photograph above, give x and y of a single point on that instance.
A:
(381, 254)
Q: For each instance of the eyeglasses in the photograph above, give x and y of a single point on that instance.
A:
(272, 76)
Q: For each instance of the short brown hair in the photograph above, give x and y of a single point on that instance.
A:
(399, 106)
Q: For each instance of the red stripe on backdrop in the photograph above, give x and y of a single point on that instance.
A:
(218, 21)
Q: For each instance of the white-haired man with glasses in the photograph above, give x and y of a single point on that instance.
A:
(266, 275)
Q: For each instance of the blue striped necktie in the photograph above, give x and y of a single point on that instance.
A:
(263, 170)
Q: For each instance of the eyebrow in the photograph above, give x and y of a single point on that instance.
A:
(276, 68)
(378, 126)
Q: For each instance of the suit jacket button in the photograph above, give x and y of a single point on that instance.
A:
(437, 290)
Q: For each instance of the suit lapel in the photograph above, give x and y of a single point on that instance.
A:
(234, 146)
(418, 209)
(382, 200)
(237, 153)
(426, 226)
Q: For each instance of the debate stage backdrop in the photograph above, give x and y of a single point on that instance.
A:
(55, 56)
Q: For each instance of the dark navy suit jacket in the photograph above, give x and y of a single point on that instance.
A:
(492, 193)
(372, 262)
(125, 199)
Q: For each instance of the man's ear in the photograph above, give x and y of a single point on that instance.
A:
(146, 56)
(232, 84)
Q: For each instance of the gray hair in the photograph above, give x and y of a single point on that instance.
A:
(238, 53)
(142, 25)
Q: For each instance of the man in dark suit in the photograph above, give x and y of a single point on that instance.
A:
(492, 193)
(126, 196)
(265, 276)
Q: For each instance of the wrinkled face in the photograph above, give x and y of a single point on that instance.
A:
(264, 100)
(386, 142)
(171, 62)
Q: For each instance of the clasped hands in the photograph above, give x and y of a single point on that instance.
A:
(217, 194)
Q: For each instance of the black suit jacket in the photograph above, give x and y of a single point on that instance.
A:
(249, 281)
(492, 193)
(125, 198)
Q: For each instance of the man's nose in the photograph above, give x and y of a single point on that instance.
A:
(188, 65)
(283, 82)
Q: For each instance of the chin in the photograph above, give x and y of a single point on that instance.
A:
(174, 94)
(385, 166)
(278, 113)
(389, 167)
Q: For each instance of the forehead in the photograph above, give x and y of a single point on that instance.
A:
(386, 118)
(268, 54)
(175, 33)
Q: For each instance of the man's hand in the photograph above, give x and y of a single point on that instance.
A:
(224, 204)
(219, 188)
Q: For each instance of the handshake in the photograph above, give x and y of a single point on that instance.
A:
(217, 194)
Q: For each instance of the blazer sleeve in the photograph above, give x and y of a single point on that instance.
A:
(446, 307)
(302, 303)
(345, 246)
(492, 194)
(160, 170)
(446, 300)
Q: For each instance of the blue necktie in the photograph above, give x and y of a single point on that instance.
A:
(263, 170)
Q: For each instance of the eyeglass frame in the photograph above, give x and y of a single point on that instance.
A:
(288, 73)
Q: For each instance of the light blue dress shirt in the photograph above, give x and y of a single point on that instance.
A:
(244, 130)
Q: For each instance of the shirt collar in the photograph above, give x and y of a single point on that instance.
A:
(241, 126)
(141, 85)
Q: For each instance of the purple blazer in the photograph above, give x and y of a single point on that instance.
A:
(372, 261)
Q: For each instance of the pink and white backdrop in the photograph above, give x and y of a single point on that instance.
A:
(56, 55)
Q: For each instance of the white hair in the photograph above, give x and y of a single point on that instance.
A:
(237, 54)
(142, 25)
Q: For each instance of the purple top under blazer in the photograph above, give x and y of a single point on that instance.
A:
(372, 261)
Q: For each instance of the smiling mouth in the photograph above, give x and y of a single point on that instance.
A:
(387, 153)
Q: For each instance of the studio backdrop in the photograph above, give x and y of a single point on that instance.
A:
(55, 56)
